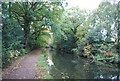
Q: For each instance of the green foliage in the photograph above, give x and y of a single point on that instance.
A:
(35, 17)
(97, 33)
(66, 45)
(105, 18)
(94, 35)
(42, 62)
(27, 26)
(67, 36)
(41, 41)
(12, 40)
(24, 26)
(11, 37)
(107, 59)
(9, 56)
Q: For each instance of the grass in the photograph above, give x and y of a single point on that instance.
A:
(42, 63)
(43, 67)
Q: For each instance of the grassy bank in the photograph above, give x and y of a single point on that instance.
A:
(43, 68)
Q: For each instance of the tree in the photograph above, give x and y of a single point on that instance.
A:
(105, 17)
(25, 25)
(29, 13)
(11, 39)
(66, 38)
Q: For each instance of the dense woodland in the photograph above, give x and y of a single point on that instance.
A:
(82, 33)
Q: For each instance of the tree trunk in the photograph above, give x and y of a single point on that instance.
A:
(26, 28)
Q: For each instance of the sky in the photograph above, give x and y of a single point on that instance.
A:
(87, 4)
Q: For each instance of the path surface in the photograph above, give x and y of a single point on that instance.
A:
(26, 69)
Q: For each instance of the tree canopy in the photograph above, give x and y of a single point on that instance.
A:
(79, 32)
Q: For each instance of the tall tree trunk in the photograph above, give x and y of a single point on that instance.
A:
(26, 25)
(26, 33)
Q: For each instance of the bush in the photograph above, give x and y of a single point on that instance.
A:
(8, 56)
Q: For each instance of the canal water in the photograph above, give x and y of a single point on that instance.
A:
(67, 67)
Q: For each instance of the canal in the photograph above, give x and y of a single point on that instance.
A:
(67, 66)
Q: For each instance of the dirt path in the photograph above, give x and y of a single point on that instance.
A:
(26, 69)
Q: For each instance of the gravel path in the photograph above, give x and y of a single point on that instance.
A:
(26, 69)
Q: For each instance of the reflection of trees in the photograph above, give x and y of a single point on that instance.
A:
(63, 67)
(83, 69)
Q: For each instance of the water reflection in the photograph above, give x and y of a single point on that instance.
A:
(66, 67)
